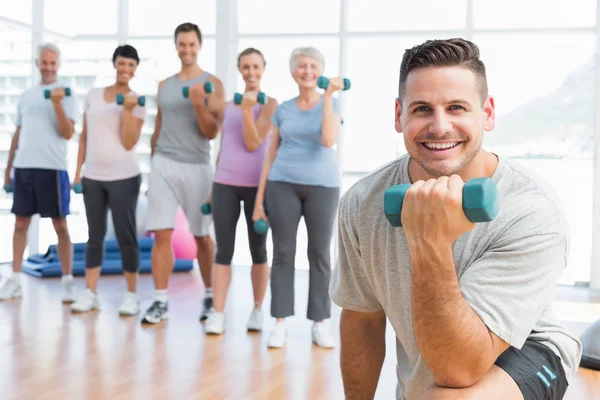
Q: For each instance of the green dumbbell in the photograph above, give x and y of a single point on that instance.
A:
(261, 227)
(479, 202)
(261, 98)
(8, 188)
(323, 83)
(208, 88)
(206, 208)
(48, 91)
(121, 99)
(78, 188)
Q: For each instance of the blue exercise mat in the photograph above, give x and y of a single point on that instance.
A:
(48, 264)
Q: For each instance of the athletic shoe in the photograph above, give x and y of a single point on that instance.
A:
(87, 301)
(256, 320)
(278, 335)
(68, 285)
(157, 312)
(215, 323)
(321, 336)
(207, 306)
(10, 289)
(130, 304)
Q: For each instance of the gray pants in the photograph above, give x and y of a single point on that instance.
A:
(285, 204)
(121, 197)
(226, 212)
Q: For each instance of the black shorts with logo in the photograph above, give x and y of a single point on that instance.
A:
(536, 369)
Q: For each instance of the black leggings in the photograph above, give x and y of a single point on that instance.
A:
(121, 197)
(226, 212)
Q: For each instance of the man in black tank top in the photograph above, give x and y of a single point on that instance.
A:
(188, 118)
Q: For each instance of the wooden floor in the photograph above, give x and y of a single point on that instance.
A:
(48, 353)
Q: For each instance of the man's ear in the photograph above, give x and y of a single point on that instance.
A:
(489, 108)
(397, 114)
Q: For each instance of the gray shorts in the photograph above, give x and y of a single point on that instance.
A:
(172, 184)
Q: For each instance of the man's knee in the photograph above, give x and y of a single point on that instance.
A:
(163, 237)
(22, 224)
(60, 226)
(204, 242)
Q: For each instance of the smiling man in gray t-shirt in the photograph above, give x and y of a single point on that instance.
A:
(471, 304)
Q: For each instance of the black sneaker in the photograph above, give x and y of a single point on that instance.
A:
(206, 308)
(157, 312)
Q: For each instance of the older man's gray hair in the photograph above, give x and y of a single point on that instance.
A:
(51, 47)
(307, 52)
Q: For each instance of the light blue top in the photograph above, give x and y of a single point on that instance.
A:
(302, 158)
(40, 143)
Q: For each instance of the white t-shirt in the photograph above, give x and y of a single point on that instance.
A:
(40, 143)
(106, 159)
(507, 268)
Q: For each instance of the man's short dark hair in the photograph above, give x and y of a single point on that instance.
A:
(444, 53)
(188, 27)
(126, 51)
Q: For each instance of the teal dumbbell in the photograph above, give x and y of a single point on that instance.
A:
(78, 188)
(261, 227)
(48, 91)
(323, 83)
(121, 99)
(261, 98)
(479, 202)
(8, 188)
(206, 208)
(208, 88)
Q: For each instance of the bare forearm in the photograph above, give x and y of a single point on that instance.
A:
(11, 153)
(250, 132)
(81, 155)
(330, 126)
(264, 175)
(208, 124)
(129, 132)
(362, 356)
(454, 342)
(65, 126)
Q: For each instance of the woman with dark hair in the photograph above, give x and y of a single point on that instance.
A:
(112, 123)
(246, 130)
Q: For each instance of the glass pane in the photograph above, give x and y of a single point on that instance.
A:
(277, 81)
(393, 15)
(76, 17)
(19, 11)
(545, 119)
(533, 13)
(370, 139)
(276, 16)
(156, 17)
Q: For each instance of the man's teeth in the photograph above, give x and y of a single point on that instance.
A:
(441, 146)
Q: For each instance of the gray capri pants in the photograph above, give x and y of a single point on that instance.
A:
(286, 203)
(121, 197)
(226, 212)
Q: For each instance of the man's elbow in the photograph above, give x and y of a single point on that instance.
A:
(68, 134)
(329, 143)
(459, 377)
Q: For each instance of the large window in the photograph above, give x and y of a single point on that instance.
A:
(73, 17)
(158, 17)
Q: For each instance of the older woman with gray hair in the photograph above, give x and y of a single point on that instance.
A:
(300, 178)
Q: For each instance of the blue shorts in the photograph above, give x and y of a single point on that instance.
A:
(41, 191)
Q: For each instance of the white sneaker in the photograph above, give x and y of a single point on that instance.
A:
(68, 285)
(10, 289)
(256, 320)
(215, 323)
(321, 336)
(278, 335)
(130, 304)
(87, 301)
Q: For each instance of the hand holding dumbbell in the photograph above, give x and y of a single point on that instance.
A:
(8, 187)
(197, 93)
(130, 101)
(479, 201)
(333, 84)
(261, 227)
(206, 208)
(77, 186)
(56, 95)
(250, 98)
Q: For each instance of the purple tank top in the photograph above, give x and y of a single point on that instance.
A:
(237, 166)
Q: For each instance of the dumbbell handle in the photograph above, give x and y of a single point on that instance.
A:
(479, 201)
(8, 188)
(120, 99)
(323, 83)
(48, 91)
(208, 88)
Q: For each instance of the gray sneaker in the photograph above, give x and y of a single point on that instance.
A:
(157, 312)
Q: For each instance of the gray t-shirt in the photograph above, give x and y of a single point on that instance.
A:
(507, 268)
(180, 138)
(40, 143)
